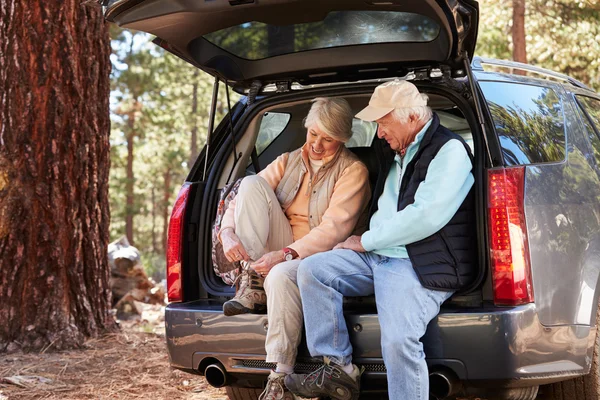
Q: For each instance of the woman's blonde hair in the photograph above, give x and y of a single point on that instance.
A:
(333, 116)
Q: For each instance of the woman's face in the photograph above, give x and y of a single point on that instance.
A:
(320, 145)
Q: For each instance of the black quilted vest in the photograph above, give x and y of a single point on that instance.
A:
(445, 260)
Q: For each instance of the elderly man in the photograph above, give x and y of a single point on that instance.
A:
(419, 249)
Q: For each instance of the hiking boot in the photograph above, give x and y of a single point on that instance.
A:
(329, 380)
(250, 296)
(275, 389)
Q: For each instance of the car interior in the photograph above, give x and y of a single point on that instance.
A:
(280, 129)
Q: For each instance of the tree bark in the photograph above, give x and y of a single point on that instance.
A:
(129, 197)
(54, 162)
(518, 31)
(154, 243)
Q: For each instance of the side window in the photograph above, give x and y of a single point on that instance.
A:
(529, 122)
(592, 108)
(363, 133)
(271, 126)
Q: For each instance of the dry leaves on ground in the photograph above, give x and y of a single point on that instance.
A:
(132, 364)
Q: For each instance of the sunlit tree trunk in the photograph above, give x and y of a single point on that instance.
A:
(154, 244)
(129, 196)
(54, 162)
(194, 144)
(518, 31)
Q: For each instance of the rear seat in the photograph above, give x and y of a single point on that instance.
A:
(368, 157)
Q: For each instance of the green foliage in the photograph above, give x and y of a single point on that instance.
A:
(562, 35)
(151, 105)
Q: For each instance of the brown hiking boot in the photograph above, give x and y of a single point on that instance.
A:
(250, 296)
(329, 380)
(275, 389)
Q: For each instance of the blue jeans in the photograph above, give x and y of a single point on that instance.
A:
(404, 308)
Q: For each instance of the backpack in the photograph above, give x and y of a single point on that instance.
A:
(223, 268)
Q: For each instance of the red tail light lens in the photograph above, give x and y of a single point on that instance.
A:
(511, 271)
(174, 245)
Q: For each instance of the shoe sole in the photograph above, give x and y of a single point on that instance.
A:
(231, 308)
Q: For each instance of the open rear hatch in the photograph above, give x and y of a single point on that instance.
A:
(306, 41)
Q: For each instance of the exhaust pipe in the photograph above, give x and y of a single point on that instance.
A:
(215, 375)
(443, 384)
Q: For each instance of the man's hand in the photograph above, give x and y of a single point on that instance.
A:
(232, 246)
(263, 265)
(352, 243)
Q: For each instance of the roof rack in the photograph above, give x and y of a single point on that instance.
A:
(477, 65)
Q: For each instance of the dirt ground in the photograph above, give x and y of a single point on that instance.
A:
(132, 364)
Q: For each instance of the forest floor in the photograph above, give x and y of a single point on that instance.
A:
(131, 364)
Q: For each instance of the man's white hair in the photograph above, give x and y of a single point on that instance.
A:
(333, 116)
(423, 113)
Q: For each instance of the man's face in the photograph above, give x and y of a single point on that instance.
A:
(396, 133)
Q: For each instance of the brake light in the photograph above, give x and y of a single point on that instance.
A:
(174, 245)
(511, 271)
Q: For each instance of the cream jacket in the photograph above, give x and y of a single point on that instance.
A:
(323, 208)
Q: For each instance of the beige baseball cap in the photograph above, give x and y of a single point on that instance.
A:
(392, 95)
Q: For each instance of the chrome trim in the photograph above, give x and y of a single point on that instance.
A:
(477, 65)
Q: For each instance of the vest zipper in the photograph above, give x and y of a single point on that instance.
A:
(452, 254)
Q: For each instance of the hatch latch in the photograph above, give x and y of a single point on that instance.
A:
(282, 86)
(239, 2)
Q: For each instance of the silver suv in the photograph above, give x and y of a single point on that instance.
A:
(527, 325)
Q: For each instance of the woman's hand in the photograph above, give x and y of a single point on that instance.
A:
(232, 246)
(352, 243)
(263, 265)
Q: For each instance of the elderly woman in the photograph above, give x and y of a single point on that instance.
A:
(304, 202)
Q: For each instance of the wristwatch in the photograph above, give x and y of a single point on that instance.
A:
(287, 254)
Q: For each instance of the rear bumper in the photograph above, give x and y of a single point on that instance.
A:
(507, 345)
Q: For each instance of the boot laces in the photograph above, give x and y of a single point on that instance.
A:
(245, 273)
(318, 376)
(273, 385)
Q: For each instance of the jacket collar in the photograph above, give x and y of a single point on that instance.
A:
(327, 161)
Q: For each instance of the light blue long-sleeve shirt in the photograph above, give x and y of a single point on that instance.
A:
(437, 199)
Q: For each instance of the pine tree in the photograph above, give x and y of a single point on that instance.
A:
(54, 163)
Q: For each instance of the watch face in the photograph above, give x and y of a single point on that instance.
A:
(289, 257)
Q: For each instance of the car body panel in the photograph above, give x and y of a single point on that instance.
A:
(563, 212)
(465, 341)
(562, 215)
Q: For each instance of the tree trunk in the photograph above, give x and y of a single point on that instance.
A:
(518, 31)
(129, 199)
(166, 203)
(54, 162)
(194, 145)
(154, 243)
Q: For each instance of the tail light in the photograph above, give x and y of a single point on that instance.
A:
(174, 245)
(511, 271)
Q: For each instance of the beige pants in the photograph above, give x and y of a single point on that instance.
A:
(262, 226)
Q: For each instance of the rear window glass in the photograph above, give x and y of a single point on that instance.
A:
(529, 122)
(363, 133)
(271, 126)
(257, 40)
